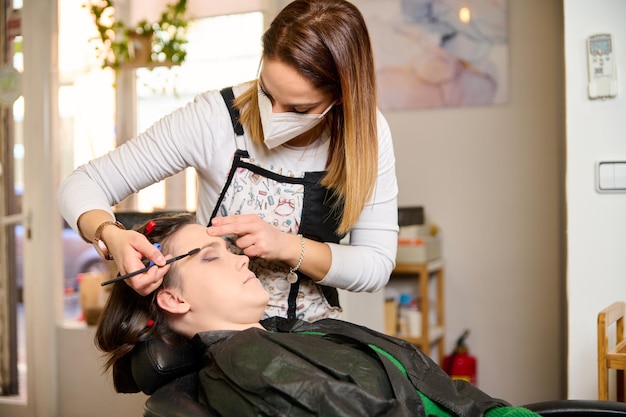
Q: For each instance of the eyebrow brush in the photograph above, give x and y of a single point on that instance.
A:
(141, 271)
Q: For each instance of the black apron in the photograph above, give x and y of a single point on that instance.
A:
(293, 203)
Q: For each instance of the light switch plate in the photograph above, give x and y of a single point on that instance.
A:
(611, 177)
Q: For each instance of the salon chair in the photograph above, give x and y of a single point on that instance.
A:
(578, 408)
(169, 376)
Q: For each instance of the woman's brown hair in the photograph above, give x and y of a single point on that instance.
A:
(328, 43)
(129, 318)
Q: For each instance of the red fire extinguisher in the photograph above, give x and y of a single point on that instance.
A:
(460, 364)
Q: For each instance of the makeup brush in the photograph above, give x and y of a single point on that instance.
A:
(141, 271)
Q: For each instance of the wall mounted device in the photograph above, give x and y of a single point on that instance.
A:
(601, 66)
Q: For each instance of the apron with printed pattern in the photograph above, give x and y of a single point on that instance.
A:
(293, 202)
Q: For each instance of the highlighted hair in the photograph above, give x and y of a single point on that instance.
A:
(328, 43)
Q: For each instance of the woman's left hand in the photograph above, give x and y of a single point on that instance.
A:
(253, 235)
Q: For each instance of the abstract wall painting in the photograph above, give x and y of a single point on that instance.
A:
(439, 53)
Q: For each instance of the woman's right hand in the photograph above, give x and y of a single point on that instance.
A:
(129, 248)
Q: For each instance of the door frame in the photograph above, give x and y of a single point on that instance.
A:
(42, 250)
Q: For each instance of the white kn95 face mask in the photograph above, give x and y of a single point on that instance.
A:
(279, 128)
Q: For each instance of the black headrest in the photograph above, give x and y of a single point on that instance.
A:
(154, 363)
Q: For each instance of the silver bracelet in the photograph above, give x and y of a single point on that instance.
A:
(292, 277)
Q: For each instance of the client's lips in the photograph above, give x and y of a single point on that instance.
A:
(251, 277)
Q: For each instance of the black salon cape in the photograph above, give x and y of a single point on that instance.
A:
(326, 368)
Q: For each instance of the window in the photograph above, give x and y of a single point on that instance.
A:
(215, 59)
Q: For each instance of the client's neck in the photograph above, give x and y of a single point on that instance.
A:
(189, 329)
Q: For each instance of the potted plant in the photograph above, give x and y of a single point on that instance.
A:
(148, 44)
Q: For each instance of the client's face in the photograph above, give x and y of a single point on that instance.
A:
(222, 293)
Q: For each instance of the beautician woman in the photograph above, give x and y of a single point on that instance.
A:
(292, 162)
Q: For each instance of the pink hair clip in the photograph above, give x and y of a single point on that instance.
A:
(150, 323)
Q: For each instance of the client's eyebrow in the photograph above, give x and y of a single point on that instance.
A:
(214, 245)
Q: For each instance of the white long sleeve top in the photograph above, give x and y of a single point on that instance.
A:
(200, 135)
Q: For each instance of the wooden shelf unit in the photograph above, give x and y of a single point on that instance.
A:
(432, 334)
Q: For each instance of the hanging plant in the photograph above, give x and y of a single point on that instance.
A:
(160, 43)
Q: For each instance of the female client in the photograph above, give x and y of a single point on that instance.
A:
(277, 366)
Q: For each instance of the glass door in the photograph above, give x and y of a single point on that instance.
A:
(12, 337)
(27, 299)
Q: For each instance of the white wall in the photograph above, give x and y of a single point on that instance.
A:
(596, 222)
(85, 390)
(490, 177)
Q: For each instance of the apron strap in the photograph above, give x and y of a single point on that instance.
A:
(229, 97)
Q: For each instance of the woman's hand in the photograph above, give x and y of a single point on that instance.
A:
(128, 249)
(259, 239)
(255, 237)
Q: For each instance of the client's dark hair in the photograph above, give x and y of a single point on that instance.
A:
(129, 318)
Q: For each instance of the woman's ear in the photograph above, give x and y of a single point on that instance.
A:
(171, 301)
